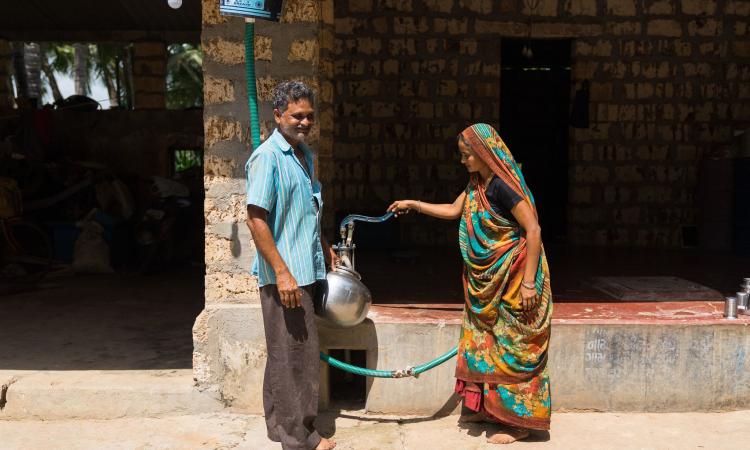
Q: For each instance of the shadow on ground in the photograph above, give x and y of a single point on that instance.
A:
(104, 322)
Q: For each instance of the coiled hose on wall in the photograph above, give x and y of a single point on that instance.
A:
(252, 103)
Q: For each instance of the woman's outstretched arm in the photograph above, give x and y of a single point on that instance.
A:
(447, 211)
(528, 221)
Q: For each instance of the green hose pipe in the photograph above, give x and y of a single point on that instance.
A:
(401, 373)
(435, 362)
(252, 94)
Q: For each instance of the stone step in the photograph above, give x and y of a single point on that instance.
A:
(102, 394)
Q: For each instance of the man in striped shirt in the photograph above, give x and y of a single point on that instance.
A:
(284, 205)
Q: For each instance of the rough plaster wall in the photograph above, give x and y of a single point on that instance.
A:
(291, 49)
(670, 82)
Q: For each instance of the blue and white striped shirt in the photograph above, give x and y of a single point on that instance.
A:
(277, 182)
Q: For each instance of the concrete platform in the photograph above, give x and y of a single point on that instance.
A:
(666, 356)
(669, 356)
(94, 394)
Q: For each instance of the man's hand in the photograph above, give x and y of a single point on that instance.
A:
(289, 292)
(329, 254)
(333, 258)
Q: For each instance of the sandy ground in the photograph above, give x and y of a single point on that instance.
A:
(354, 430)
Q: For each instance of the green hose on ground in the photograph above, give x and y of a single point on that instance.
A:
(252, 103)
(401, 373)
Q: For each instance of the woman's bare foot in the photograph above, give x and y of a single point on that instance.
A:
(508, 435)
(473, 418)
(326, 444)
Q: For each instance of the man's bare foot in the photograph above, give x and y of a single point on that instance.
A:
(473, 418)
(326, 444)
(508, 435)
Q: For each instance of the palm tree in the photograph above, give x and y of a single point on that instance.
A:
(106, 59)
(27, 68)
(81, 76)
(184, 76)
(57, 58)
(111, 63)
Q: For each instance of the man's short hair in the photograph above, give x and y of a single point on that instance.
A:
(291, 91)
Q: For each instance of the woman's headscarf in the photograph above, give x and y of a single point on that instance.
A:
(490, 148)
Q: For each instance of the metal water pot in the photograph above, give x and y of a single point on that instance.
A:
(346, 300)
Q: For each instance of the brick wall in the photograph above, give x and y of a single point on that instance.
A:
(229, 349)
(150, 75)
(670, 82)
(287, 50)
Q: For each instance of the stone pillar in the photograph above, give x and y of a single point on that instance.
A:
(229, 345)
(6, 88)
(150, 75)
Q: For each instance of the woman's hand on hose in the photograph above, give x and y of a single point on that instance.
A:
(528, 298)
(400, 207)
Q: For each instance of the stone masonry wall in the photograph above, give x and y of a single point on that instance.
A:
(292, 49)
(150, 75)
(229, 355)
(670, 82)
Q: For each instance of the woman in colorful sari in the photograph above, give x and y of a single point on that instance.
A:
(501, 368)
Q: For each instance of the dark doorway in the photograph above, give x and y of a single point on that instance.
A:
(534, 115)
(348, 391)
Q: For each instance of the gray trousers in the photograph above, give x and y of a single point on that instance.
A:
(292, 377)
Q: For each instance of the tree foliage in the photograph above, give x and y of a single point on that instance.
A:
(104, 61)
(111, 63)
(184, 76)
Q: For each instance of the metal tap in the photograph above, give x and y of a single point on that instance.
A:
(345, 248)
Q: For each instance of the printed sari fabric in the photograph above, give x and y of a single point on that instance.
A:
(502, 352)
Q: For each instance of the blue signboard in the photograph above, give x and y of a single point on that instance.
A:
(258, 9)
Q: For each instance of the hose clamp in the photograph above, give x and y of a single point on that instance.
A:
(406, 372)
